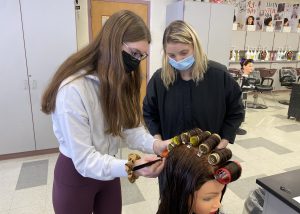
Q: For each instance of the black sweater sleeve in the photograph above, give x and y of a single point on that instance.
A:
(234, 109)
(150, 106)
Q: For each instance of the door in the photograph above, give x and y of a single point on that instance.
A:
(101, 10)
(50, 37)
(16, 129)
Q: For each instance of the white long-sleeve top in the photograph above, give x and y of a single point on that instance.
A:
(78, 124)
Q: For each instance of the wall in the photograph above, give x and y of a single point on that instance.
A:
(157, 26)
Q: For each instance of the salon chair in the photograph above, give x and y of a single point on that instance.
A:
(287, 77)
(263, 83)
(235, 73)
(298, 74)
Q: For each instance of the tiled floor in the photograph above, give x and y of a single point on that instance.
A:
(271, 146)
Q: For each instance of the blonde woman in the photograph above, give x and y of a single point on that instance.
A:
(190, 91)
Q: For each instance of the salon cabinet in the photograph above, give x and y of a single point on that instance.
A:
(266, 40)
(215, 36)
(288, 41)
(36, 38)
(238, 40)
(262, 40)
(242, 40)
(292, 41)
(279, 40)
(252, 40)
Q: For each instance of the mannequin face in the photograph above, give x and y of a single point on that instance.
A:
(207, 198)
(270, 24)
(247, 69)
(250, 21)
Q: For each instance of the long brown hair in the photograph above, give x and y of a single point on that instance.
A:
(183, 174)
(119, 92)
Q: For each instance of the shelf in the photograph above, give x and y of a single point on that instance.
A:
(281, 61)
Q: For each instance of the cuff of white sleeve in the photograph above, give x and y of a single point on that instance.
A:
(118, 168)
(149, 143)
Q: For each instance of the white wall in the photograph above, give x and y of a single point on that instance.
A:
(157, 26)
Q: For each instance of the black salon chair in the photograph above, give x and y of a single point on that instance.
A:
(287, 77)
(298, 74)
(263, 83)
(235, 73)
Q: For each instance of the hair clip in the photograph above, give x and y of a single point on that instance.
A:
(219, 156)
(228, 173)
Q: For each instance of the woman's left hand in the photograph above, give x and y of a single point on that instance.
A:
(151, 171)
(159, 146)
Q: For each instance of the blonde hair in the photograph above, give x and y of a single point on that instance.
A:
(181, 32)
(119, 92)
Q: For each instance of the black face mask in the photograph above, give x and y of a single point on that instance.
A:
(131, 63)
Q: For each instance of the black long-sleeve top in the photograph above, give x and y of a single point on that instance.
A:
(214, 104)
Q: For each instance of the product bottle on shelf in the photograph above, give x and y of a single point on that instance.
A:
(233, 55)
(267, 55)
(255, 55)
(298, 56)
(278, 55)
(248, 54)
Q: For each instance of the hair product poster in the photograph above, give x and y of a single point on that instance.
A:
(273, 14)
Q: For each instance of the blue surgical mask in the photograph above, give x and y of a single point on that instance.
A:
(182, 65)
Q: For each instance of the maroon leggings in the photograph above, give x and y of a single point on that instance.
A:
(73, 193)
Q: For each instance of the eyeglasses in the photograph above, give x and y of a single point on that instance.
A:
(135, 53)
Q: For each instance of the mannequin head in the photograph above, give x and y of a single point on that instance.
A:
(250, 20)
(286, 22)
(246, 65)
(268, 22)
(189, 182)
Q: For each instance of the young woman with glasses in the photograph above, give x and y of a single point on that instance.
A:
(94, 100)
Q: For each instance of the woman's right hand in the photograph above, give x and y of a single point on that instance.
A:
(151, 171)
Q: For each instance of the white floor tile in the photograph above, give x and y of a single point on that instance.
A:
(256, 161)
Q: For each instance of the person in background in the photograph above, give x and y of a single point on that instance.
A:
(246, 70)
(250, 20)
(190, 183)
(94, 101)
(191, 91)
